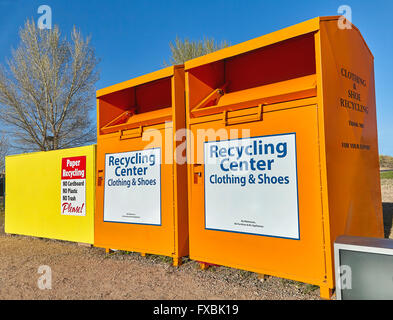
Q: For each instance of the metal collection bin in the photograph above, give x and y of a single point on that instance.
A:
(282, 158)
(282, 151)
(141, 185)
(52, 194)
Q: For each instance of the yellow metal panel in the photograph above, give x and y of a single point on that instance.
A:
(33, 196)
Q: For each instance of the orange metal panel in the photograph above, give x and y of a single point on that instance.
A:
(156, 104)
(263, 41)
(288, 90)
(351, 141)
(153, 76)
(297, 259)
(313, 79)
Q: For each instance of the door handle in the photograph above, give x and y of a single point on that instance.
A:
(100, 177)
(258, 116)
(197, 168)
(131, 133)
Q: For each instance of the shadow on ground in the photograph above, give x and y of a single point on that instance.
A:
(387, 218)
(1, 221)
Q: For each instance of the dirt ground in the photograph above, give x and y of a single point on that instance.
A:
(88, 273)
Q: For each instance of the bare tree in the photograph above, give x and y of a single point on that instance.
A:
(3, 152)
(183, 50)
(47, 90)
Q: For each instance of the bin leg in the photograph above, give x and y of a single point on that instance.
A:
(177, 261)
(83, 244)
(262, 277)
(143, 254)
(107, 250)
(203, 265)
(325, 293)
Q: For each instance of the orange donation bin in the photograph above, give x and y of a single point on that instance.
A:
(283, 151)
(141, 187)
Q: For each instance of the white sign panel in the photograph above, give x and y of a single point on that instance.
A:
(132, 192)
(73, 186)
(251, 186)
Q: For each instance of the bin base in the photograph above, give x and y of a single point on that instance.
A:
(203, 265)
(83, 244)
(262, 277)
(325, 293)
(206, 265)
(177, 261)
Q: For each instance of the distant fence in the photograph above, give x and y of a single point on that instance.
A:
(2, 191)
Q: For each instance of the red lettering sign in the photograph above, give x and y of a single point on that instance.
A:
(73, 168)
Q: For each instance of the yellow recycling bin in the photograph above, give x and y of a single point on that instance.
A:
(51, 194)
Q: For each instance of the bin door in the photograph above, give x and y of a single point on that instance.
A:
(255, 200)
(135, 191)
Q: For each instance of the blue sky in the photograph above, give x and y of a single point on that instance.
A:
(131, 37)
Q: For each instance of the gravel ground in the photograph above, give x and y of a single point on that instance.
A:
(387, 190)
(88, 273)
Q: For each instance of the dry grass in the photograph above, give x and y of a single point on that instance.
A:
(386, 162)
(387, 175)
(387, 190)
